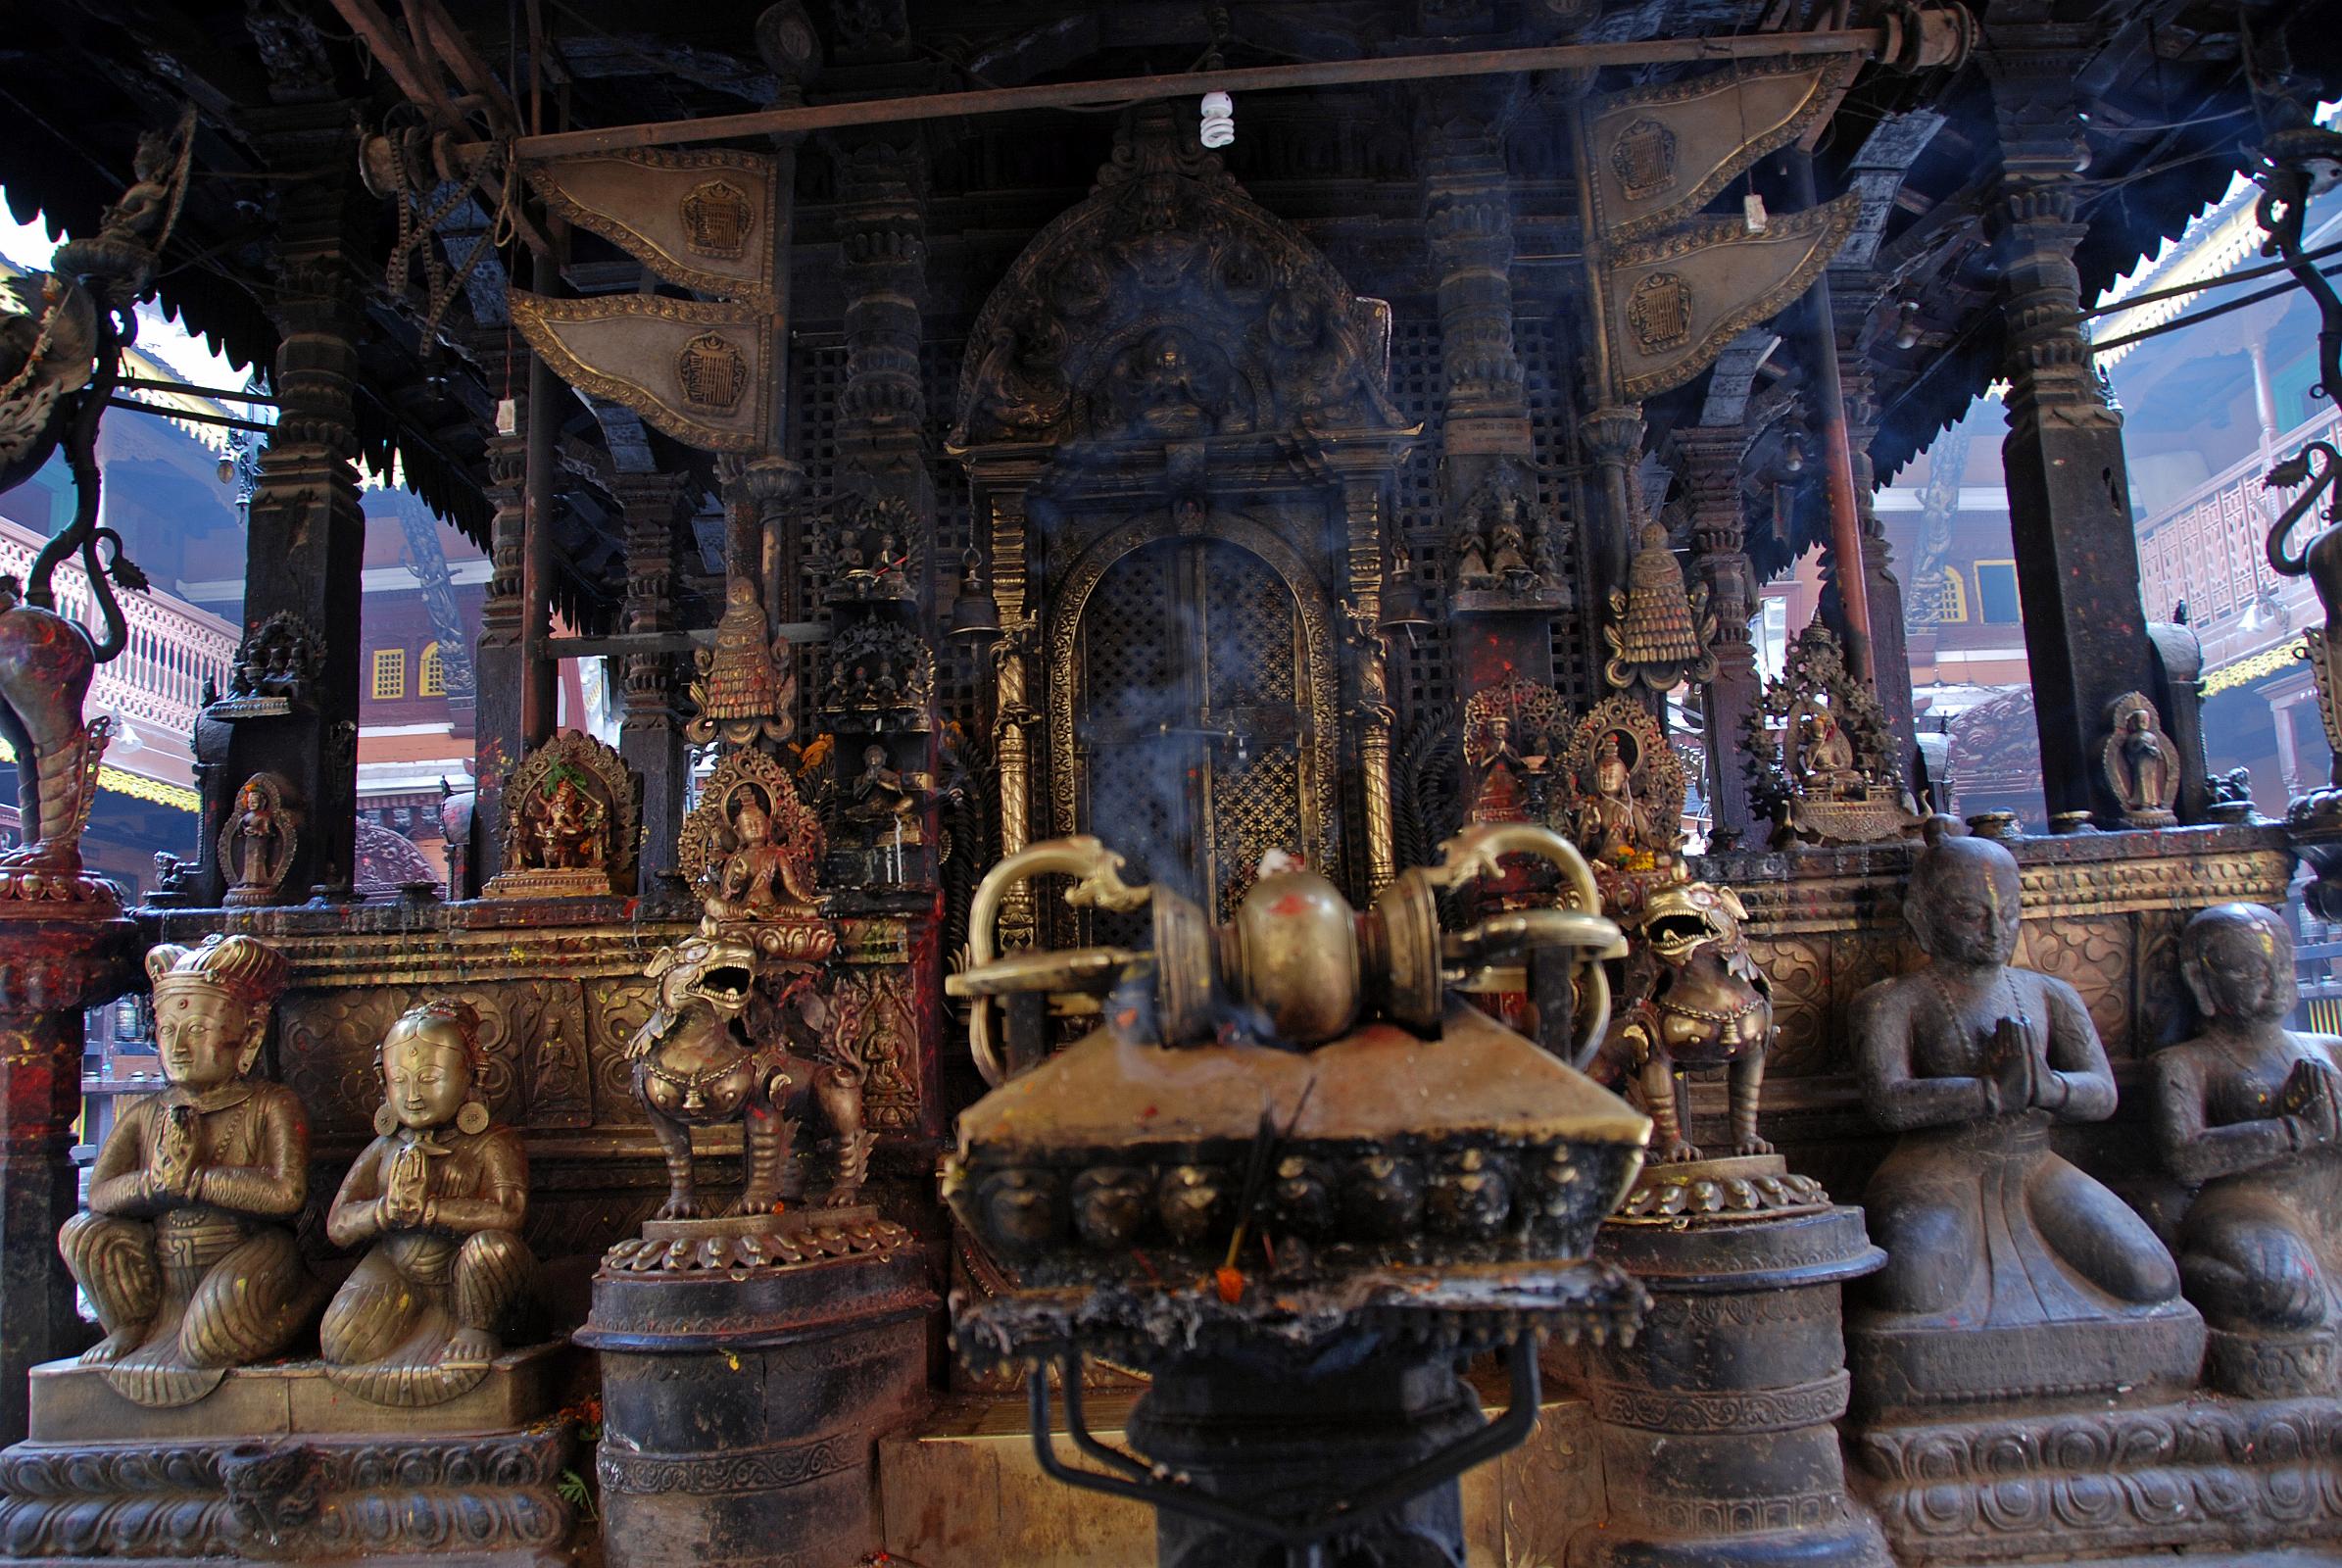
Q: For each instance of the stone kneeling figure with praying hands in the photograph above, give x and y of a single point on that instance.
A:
(1992, 1238)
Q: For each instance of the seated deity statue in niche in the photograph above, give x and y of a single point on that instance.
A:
(759, 873)
(440, 1195)
(1611, 822)
(566, 825)
(1971, 1059)
(186, 1250)
(1160, 389)
(1499, 796)
(882, 803)
(2250, 1115)
(1826, 762)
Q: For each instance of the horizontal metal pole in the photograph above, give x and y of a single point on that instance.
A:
(1250, 78)
(664, 642)
(198, 416)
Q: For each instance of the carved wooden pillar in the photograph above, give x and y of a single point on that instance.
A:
(1709, 460)
(306, 541)
(658, 508)
(1890, 648)
(2077, 572)
(882, 257)
(1369, 663)
(1468, 217)
(1614, 440)
(497, 742)
(1014, 715)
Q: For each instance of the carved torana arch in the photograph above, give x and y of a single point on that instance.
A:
(1170, 305)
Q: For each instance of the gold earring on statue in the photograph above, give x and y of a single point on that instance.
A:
(386, 1120)
(472, 1119)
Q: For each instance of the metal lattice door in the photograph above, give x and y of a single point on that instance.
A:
(1190, 734)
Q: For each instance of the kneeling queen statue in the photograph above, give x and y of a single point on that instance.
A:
(441, 1195)
(2249, 1114)
(186, 1250)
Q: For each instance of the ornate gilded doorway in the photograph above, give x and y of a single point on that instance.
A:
(1191, 731)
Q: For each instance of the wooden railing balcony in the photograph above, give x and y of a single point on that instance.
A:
(2209, 549)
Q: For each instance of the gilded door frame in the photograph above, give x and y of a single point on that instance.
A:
(1321, 759)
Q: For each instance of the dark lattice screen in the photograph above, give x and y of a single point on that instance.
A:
(1425, 663)
(816, 378)
(1546, 352)
(961, 664)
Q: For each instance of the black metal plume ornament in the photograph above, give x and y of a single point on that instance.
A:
(2297, 164)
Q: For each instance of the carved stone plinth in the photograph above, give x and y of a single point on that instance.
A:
(543, 884)
(1716, 1426)
(281, 1465)
(2208, 1478)
(51, 967)
(741, 1404)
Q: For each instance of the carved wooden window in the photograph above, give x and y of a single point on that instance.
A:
(431, 678)
(1192, 728)
(1954, 606)
(390, 674)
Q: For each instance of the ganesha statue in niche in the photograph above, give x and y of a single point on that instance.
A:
(187, 1249)
(438, 1198)
(2249, 1114)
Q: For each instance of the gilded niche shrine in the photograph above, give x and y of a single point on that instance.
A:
(1123, 878)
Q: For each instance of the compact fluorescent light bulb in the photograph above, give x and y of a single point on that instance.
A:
(1219, 120)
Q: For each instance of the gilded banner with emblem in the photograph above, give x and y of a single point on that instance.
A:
(1673, 302)
(1657, 154)
(701, 371)
(703, 219)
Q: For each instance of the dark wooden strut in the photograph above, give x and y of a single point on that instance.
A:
(1881, 40)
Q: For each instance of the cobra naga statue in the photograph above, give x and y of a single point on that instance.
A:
(60, 362)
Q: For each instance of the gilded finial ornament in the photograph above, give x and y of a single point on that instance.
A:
(1661, 634)
(744, 687)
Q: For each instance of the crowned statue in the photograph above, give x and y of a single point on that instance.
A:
(186, 1250)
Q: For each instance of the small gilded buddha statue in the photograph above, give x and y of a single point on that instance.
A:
(186, 1250)
(2009, 1272)
(2250, 1115)
(440, 1195)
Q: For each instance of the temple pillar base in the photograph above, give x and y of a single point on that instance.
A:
(2204, 1478)
(742, 1404)
(278, 1465)
(1716, 1426)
